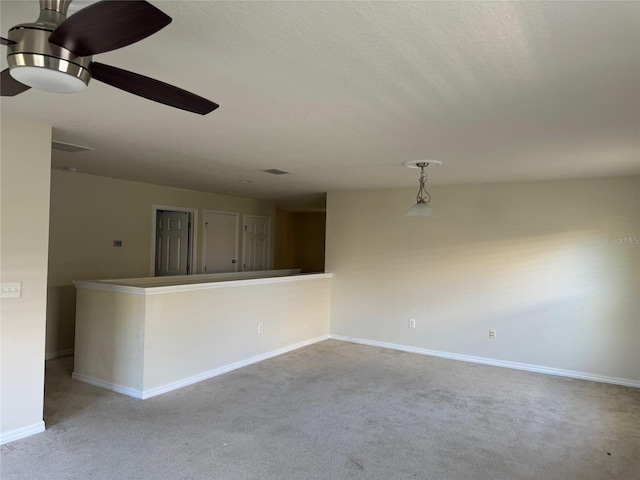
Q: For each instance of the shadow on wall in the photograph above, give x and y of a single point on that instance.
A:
(565, 300)
(61, 320)
(300, 241)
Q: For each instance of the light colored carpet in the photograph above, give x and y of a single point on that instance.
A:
(336, 411)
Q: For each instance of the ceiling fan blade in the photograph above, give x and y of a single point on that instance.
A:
(9, 86)
(151, 89)
(6, 41)
(108, 25)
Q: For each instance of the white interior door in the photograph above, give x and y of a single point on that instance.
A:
(256, 234)
(220, 242)
(172, 243)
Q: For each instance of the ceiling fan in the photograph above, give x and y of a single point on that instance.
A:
(55, 52)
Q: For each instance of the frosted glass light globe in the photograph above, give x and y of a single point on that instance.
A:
(421, 210)
(46, 79)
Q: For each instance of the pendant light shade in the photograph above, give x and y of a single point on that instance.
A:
(422, 207)
(421, 210)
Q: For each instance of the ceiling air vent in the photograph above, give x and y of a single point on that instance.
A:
(69, 147)
(275, 171)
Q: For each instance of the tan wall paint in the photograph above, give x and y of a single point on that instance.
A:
(309, 241)
(528, 259)
(135, 343)
(219, 327)
(25, 166)
(300, 240)
(284, 255)
(89, 212)
(110, 337)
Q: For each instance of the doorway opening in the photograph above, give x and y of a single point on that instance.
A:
(173, 240)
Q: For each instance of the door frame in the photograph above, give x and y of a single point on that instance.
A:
(204, 238)
(269, 238)
(193, 233)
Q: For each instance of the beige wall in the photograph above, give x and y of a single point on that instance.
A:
(284, 236)
(142, 342)
(309, 241)
(299, 240)
(25, 166)
(219, 326)
(89, 212)
(531, 260)
(109, 335)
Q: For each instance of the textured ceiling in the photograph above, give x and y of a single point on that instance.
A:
(341, 93)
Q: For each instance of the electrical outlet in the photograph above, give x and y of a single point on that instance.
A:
(260, 327)
(412, 323)
(492, 334)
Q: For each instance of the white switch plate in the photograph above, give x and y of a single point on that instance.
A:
(11, 290)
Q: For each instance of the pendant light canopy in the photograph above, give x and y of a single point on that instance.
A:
(422, 207)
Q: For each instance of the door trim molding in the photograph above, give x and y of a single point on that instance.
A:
(194, 235)
(204, 237)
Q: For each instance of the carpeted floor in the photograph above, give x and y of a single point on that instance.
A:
(337, 411)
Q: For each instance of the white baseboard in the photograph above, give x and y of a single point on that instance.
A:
(18, 433)
(194, 379)
(58, 354)
(496, 363)
(114, 387)
(228, 368)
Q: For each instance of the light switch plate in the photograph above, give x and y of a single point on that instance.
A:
(11, 290)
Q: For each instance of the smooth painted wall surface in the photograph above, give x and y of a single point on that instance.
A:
(25, 166)
(300, 240)
(89, 212)
(309, 240)
(283, 254)
(553, 266)
(109, 337)
(144, 344)
(219, 327)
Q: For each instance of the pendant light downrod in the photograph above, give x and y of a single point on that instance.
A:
(423, 196)
(422, 207)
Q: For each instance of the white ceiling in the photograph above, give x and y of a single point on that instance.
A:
(341, 93)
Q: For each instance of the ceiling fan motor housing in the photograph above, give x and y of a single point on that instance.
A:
(54, 53)
(37, 63)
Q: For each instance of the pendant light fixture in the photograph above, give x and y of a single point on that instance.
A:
(422, 207)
